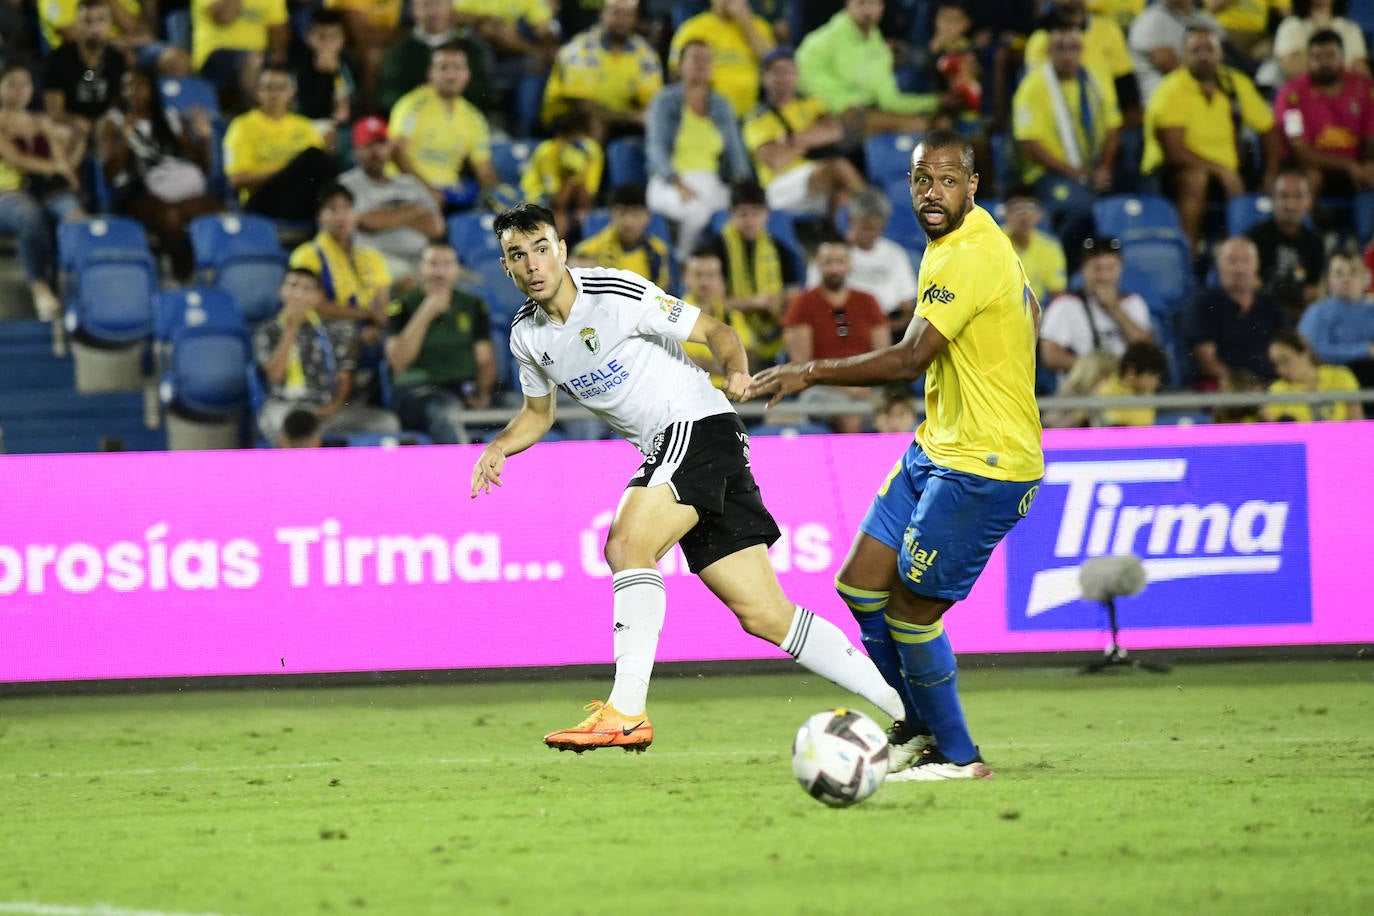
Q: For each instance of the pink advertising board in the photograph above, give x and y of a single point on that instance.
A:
(336, 560)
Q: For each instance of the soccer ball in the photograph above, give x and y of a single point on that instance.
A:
(840, 757)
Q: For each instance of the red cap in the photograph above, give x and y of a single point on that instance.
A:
(369, 130)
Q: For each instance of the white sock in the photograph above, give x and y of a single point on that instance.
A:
(820, 646)
(640, 605)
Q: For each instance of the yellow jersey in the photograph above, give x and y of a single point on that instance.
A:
(768, 124)
(248, 31)
(381, 14)
(649, 258)
(1044, 263)
(555, 162)
(734, 67)
(1249, 15)
(531, 12)
(440, 136)
(56, 15)
(1033, 116)
(350, 279)
(1329, 378)
(1105, 51)
(1123, 11)
(1208, 129)
(588, 68)
(256, 143)
(1113, 387)
(981, 414)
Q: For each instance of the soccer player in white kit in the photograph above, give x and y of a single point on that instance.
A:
(613, 341)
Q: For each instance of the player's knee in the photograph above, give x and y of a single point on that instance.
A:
(623, 552)
(769, 621)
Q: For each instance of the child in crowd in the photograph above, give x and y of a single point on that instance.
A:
(625, 242)
(564, 174)
(1142, 368)
(1299, 369)
(894, 410)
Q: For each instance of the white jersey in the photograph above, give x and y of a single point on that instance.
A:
(619, 354)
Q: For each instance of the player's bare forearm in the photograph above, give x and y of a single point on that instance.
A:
(525, 428)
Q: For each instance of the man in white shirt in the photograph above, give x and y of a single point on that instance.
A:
(1099, 316)
(877, 265)
(614, 341)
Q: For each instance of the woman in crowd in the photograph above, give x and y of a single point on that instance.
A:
(38, 183)
(1300, 370)
(156, 165)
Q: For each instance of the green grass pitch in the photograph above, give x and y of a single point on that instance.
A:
(1218, 788)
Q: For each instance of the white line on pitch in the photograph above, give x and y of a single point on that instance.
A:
(98, 909)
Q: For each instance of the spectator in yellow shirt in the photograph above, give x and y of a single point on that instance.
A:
(1105, 51)
(1041, 254)
(1141, 370)
(1299, 370)
(609, 71)
(273, 157)
(564, 173)
(1191, 126)
(786, 134)
(232, 39)
(703, 285)
(437, 134)
(739, 41)
(626, 244)
(355, 278)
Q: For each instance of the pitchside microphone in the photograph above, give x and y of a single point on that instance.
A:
(1105, 579)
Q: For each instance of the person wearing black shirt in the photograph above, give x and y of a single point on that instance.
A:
(1292, 256)
(1232, 324)
(83, 78)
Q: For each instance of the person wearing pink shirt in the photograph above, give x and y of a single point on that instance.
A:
(1327, 114)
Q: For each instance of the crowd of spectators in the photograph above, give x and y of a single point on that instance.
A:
(362, 127)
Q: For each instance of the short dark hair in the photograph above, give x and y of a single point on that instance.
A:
(304, 272)
(87, 4)
(1023, 191)
(526, 218)
(1295, 342)
(325, 18)
(1326, 37)
(452, 46)
(300, 425)
(279, 70)
(944, 138)
(1145, 357)
(704, 250)
(629, 195)
(572, 121)
(746, 193)
(330, 192)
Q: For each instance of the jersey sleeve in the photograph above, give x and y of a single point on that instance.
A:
(665, 315)
(533, 382)
(953, 292)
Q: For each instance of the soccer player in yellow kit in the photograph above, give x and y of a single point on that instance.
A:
(971, 472)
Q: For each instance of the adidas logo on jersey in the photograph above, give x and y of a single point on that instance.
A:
(546, 360)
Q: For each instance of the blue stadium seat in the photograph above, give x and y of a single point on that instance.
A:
(103, 238)
(471, 236)
(195, 307)
(1245, 210)
(510, 158)
(208, 370)
(185, 93)
(220, 237)
(1004, 168)
(527, 102)
(626, 162)
(1169, 261)
(1132, 217)
(113, 300)
(497, 290)
(887, 157)
(253, 281)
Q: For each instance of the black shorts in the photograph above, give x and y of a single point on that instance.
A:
(706, 463)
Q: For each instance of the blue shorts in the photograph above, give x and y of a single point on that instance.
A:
(943, 523)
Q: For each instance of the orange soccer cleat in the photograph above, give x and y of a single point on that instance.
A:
(606, 726)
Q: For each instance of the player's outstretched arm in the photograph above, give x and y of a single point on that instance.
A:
(728, 350)
(904, 361)
(525, 428)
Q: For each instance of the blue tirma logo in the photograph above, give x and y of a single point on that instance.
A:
(1222, 530)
